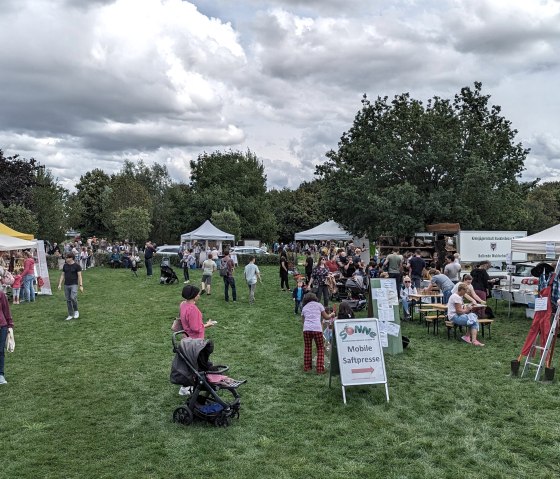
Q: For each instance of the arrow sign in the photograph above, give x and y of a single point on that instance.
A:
(362, 370)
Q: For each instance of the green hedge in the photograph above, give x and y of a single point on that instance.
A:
(102, 259)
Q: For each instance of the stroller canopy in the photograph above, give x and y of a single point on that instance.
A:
(197, 353)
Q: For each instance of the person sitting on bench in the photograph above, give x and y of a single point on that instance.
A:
(462, 315)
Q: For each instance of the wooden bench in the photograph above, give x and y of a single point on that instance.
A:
(486, 322)
(451, 325)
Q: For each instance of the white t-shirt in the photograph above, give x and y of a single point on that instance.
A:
(209, 266)
(454, 299)
(251, 271)
(311, 313)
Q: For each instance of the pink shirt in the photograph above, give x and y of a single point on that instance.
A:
(28, 267)
(17, 281)
(311, 313)
(191, 320)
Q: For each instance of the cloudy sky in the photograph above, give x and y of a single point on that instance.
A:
(89, 83)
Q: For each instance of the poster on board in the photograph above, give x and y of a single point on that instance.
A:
(360, 353)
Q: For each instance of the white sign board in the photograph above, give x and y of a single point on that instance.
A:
(489, 245)
(360, 353)
(42, 269)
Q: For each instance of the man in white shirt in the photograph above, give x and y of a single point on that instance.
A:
(252, 273)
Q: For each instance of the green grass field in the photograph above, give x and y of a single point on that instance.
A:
(91, 398)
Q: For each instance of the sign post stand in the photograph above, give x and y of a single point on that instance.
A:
(359, 354)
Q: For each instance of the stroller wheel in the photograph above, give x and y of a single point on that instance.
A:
(222, 421)
(183, 415)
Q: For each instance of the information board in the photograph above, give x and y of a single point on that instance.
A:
(359, 353)
(384, 305)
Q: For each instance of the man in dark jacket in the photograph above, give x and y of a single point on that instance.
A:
(148, 255)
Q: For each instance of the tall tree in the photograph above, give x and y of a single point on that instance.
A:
(233, 180)
(19, 218)
(543, 207)
(404, 164)
(298, 210)
(93, 190)
(47, 203)
(17, 178)
(133, 224)
(227, 221)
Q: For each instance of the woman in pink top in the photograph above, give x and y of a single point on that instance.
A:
(28, 277)
(312, 314)
(190, 315)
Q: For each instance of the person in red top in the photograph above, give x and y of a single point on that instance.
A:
(190, 315)
(18, 280)
(6, 323)
(28, 277)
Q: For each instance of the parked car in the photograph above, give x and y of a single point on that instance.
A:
(522, 278)
(168, 249)
(248, 250)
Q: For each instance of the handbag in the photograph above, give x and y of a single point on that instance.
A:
(10, 342)
(176, 326)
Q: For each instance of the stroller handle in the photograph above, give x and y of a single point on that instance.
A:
(174, 340)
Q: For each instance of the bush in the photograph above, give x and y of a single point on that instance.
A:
(261, 259)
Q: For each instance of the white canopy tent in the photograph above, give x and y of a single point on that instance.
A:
(329, 230)
(207, 232)
(8, 243)
(539, 243)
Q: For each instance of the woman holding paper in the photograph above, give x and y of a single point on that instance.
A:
(6, 327)
(462, 315)
(190, 315)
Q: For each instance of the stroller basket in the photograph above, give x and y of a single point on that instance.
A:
(192, 367)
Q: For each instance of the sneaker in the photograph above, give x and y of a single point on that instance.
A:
(3, 380)
(76, 314)
(467, 339)
(185, 390)
(69, 317)
(477, 343)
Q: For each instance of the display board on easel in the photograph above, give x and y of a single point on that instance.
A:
(384, 305)
(359, 354)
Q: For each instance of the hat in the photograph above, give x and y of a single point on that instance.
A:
(541, 268)
(190, 292)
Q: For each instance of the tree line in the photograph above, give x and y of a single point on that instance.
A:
(401, 165)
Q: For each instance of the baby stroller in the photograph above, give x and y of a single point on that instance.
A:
(167, 275)
(356, 290)
(192, 367)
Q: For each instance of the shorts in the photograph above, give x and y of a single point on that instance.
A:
(207, 279)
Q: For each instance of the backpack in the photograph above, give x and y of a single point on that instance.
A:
(224, 268)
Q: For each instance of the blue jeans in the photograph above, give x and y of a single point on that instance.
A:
(3, 336)
(469, 319)
(230, 281)
(406, 305)
(446, 295)
(28, 290)
(297, 306)
(148, 262)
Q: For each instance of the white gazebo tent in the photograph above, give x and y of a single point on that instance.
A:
(208, 232)
(9, 243)
(545, 242)
(329, 230)
(541, 243)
